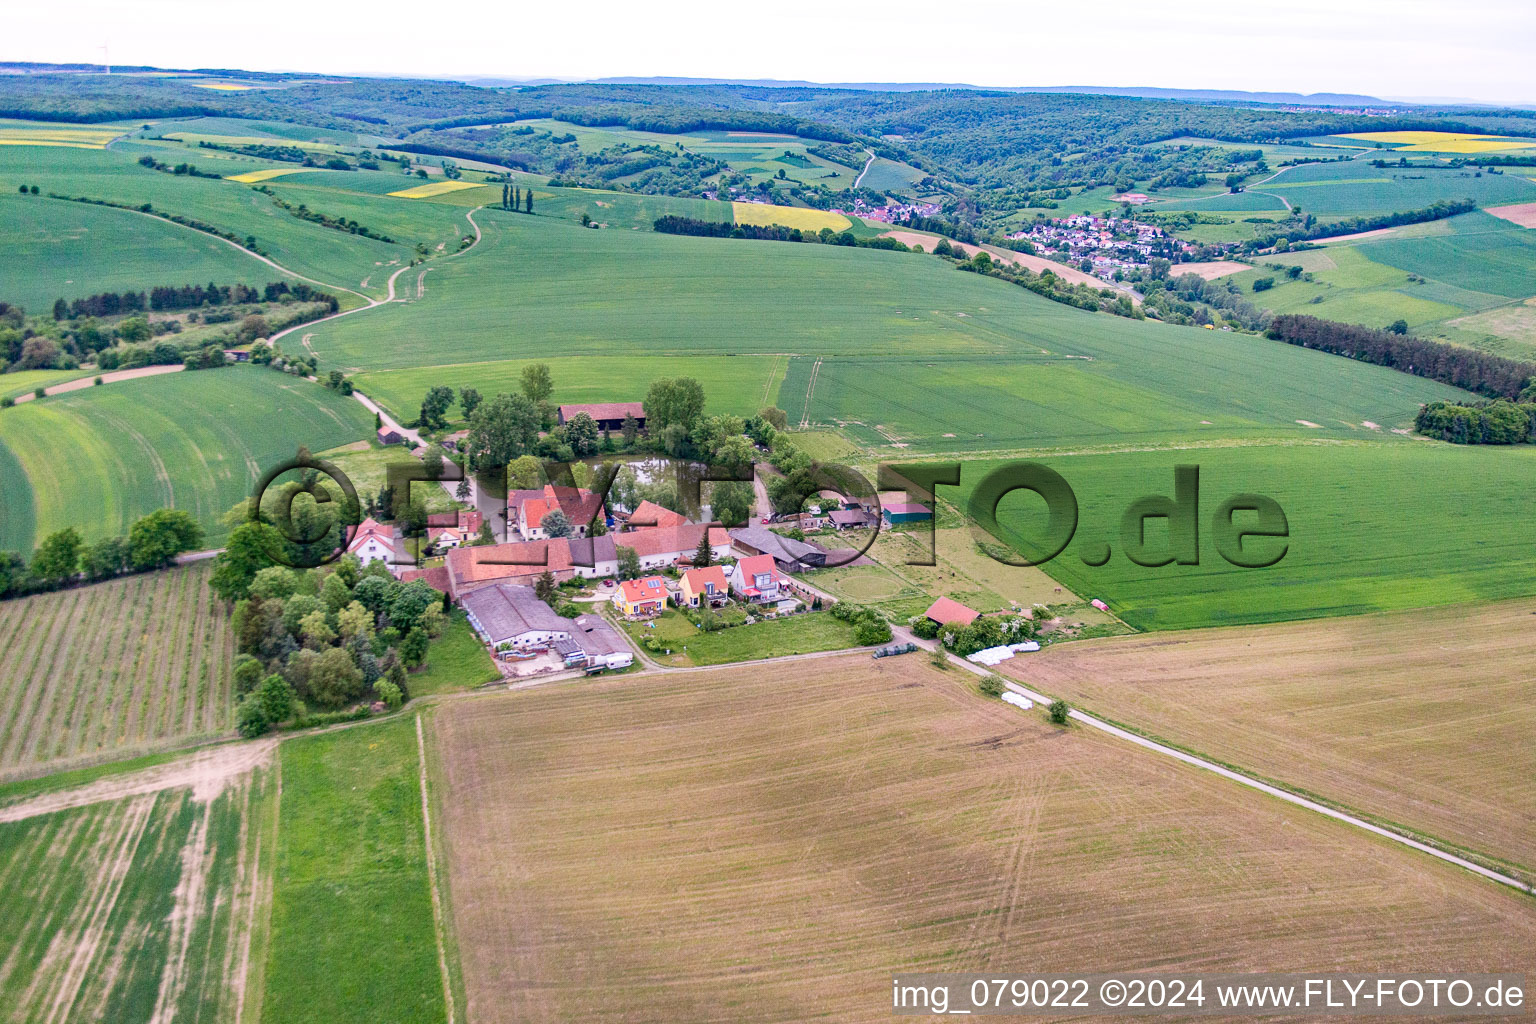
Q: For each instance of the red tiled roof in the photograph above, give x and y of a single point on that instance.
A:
(660, 540)
(751, 568)
(648, 513)
(945, 611)
(647, 588)
(604, 410)
(436, 577)
(697, 578)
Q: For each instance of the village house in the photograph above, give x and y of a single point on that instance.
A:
(642, 597)
(515, 616)
(661, 546)
(757, 580)
(471, 568)
(648, 513)
(373, 541)
(448, 530)
(706, 586)
(527, 509)
(607, 415)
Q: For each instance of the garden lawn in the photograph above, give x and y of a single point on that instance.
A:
(772, 638)
(457, 660)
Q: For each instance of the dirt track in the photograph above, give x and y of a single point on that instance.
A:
(1038, 264)
(207, 772)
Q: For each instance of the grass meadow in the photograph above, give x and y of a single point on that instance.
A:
(99, 458)
(775, 845)
(1373, 527)
(353, 938)
(457, 660)
(137, 909)
(1422, 718)
(114, 668)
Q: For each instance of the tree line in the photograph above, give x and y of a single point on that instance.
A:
(1309, 227)
(188, 296)
(1479, 372)
(64, 558)
(1496, 422)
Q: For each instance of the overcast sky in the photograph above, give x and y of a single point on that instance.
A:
(1479, 49)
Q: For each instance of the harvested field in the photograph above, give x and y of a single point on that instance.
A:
(1424, 718)
(127, 665)
(1523, 214)
(136, 909)
(773, 845)
(1209, 271)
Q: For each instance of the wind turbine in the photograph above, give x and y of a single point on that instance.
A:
(105, 59)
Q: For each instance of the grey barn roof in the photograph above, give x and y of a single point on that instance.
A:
(596, 637)
(507, 610)
(783, 549)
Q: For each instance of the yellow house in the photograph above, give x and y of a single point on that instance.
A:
(645, 596)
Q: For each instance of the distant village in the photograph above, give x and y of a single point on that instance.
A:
(1110, 243)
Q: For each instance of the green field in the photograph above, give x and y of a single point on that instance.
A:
(133, 910)
(55, 249)
(1436, 276)
(1373, 526)
(24, 382)
(900, 344)
(353, 937)
(99, 458)
(131, 664)
(334, 257)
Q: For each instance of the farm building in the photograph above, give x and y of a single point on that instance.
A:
(852, 519)
(790, 554)
(436, 577)
(514, 615)
(374, 542)
(388, 435)
(595, 645)
(905, 512)
(607, 415)
(667, 545)
(448, 530)
(471, 568)
(645, 596)
(757, 580)
(946, 610)
(704, 586)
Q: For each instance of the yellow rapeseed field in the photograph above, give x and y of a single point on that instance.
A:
(435, 188)
(762, 215)
(71, 138)
(1443, 142)
(252, 177)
